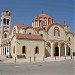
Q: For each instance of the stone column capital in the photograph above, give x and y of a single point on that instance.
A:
(59, 44)
(65, 45)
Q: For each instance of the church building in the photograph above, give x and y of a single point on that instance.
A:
(45, 38)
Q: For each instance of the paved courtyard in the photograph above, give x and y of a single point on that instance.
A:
(65, 67)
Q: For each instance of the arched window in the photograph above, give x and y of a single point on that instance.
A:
(56, 31)
(23, 50)
(45, 22)
(4, 21)
(14, 49)
(52, 20)
(36, 50)
(40, 23)
(69, 38)
(36, 23)
(49, 21)
(5, 35)
(7, 21)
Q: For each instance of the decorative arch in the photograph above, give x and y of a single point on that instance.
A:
(56, 31)
(23, 49)
(53, 25)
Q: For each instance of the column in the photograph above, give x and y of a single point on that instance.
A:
(4, 50)
(52, 49)
(59, 48)
(65, 49)
(1, 51)
(8, 49)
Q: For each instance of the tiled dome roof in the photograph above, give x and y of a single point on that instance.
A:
(42, 15)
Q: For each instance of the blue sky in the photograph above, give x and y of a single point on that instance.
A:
(23, 11)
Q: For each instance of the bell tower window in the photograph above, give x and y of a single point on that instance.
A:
(4, 21)
(7, 21)
(5, 35)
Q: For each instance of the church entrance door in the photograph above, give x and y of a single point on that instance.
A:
(56, 51)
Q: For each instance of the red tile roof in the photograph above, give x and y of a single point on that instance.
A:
(73, 33)
(59, 41)
(42, 15)
(22, 26)
(28, 36)
(48, 26)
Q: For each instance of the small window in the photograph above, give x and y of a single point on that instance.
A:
(45, 22)
(40, 23)
(49, 21)
(7, 21)
(52, 20)
(41, 34)
(29, 33)
(69, 39)
(5, 35)
(14, 49)
(37, 50)
(23, 50)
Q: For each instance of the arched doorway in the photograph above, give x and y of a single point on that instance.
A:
(5, 50)
(69, 51)
(56, 51)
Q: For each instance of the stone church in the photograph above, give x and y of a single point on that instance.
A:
(45, 38)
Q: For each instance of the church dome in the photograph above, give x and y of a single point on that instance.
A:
(42, 15)
(42, 20)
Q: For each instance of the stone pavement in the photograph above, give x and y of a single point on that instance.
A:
(45, 68)
(3, 59)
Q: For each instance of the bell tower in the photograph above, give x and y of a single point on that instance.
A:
(5, 24)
